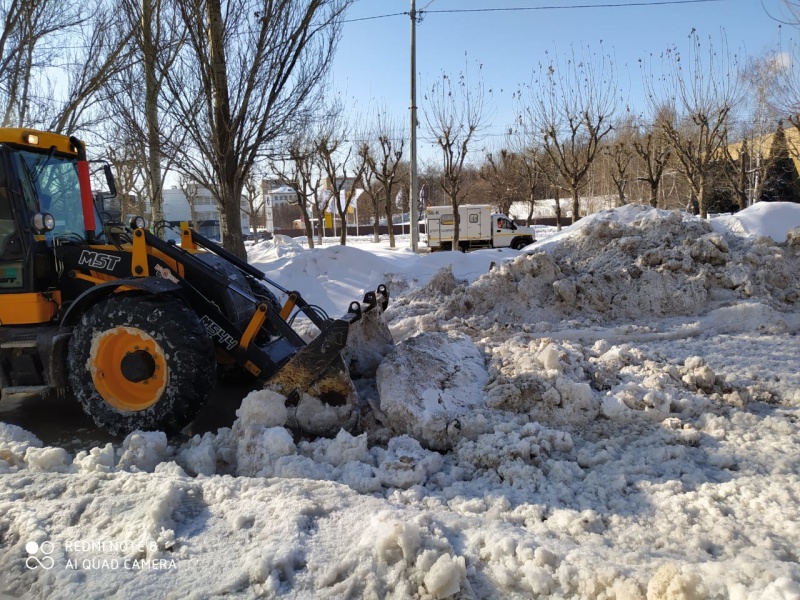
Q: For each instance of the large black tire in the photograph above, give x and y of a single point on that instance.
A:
(141, 362)
(520, 243)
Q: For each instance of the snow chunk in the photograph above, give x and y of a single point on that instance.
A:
(14, 443)
(96, 460)
(259, 447)
(263, 407)
(143, 450)
(405, 463)
(445, 576)
(199, 457)
(48, 459)
(430, 387)
(257, 434)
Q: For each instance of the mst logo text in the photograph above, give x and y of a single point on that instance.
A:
(98, 260)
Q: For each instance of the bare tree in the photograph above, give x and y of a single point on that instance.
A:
(31, 47)
(501, 172)
(101, 52)
(570, 104)
(372, 192)
(530, 172)
(786, 68)
(254, 201)
(27, 27)
(619, 153)
(137, 94)
(191, 192)
(249, 73)
(699, 93)
(383, 157)
(455, 114)
(343, 166)
(299, 172)
(654, 151)
(767, 100)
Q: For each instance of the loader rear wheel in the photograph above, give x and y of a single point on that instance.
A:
(141, 362)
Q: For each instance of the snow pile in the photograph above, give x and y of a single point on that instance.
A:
(761, 219)
(617, 269)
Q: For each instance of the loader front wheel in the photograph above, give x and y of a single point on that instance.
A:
(141, 362)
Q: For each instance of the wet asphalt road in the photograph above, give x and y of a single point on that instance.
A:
(60, 421)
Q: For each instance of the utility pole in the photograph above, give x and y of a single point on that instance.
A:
(413, 198)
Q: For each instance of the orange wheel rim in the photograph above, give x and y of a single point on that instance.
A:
(129, 368)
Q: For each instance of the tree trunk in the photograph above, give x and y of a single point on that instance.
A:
(154, 181)
(319, 216)
(231, 226)
(389, 208)
(225, 163)
(309, 229)
(558, 211)
(741, 194)
(530, 209)
(701, 198)
(621, 195)
(654, 194)
(193, 212)
(456, 221)
(343, 229)
(576, 205)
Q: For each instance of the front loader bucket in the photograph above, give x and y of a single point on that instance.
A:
(316, 380)
(369, 339)
(319, 394)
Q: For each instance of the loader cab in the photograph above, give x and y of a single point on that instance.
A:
(40, 202)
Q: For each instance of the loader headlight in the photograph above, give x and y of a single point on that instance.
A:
(43, 222)
(138, 223)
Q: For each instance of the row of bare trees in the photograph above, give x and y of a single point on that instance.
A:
(575, 132)
(226, 92)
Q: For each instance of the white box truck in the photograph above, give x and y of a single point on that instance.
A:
(478, 228)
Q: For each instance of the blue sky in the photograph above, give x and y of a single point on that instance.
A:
(372, 64)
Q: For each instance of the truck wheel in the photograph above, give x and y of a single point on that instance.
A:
(519, 243)
(141, 362)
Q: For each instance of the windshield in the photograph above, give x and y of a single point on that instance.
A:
(50, 184)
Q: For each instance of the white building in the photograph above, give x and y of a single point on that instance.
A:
(275, 194)
(177, 209)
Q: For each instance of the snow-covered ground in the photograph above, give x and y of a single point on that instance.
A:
(611, 413)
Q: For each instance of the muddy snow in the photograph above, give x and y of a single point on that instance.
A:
(610, 413)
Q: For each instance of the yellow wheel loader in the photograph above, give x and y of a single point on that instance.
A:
(138, 328)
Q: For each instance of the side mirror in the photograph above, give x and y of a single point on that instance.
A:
(112, 186)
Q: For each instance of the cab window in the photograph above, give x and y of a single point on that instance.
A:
(50, 184)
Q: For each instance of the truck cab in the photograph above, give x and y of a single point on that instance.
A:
(478, 228)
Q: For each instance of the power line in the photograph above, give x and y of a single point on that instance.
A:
(528, 8)
(400, 14)
(573, 6)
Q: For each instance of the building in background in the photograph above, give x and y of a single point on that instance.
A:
(277, 199)
(205, 220)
